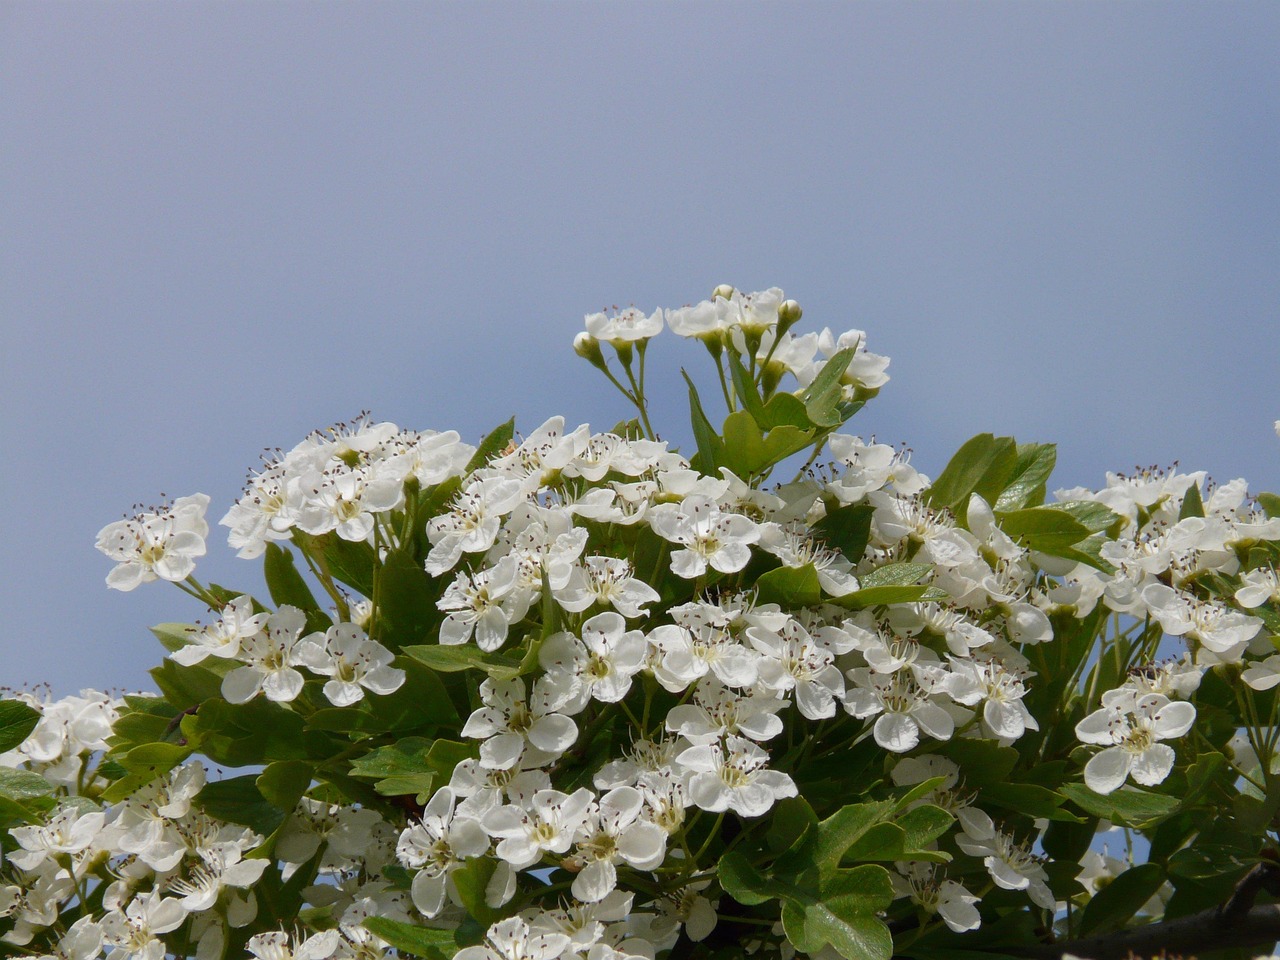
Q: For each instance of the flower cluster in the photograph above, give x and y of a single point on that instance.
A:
(583, 695)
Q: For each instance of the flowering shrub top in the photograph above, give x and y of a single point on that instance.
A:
(581, 695)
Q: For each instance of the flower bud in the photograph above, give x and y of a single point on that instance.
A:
(588, 348)
(724, 292)
(789, 312)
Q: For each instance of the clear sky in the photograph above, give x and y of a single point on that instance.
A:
(224, 225)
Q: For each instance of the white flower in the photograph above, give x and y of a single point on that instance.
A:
(269, 659)
(602, 662)
(708, 535)
(1221, 630)
(687, 655)
(901, 706)
(1264, 674)
(68, 831)
(276, 945)
(795, 547)
(345, 501)
(472, 523)
(1003, 712)
(355, 663)
(791, 660)
(608, 582)
(1130, 726)
(1258, 587)
(733, 777)
(437, 845)
(486, 602)
(626, 326)
(509, 724)
(717, 711)
(947, 898)
(134, 932)
(613, 833)
(511, 939)
(1009, 863)
(222, 639)
(546, 825)
(160, 545)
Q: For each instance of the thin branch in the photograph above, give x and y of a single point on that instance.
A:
(1236, 923)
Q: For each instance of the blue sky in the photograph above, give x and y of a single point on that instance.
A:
(227, 224)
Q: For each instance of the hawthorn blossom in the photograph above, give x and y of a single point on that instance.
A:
(161, 545)
(1131, 727)
(602, 663)
(1011, 865)
(613, 833)
(269, 658)
(734, 777)
(355, 663)
(222, 639)
(437, 845)
(511, 939)
(901, 706)
(346, 501)
(511, 722)
(626, 326)
(708, 535)
(609, 582)
(485, 603)
(546, 825)
(791, 661)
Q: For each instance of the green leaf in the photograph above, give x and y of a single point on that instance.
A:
(1028, 799)
(788, 822)
(1095, 516)
(981, 761)
(421, 703)
(471, 881)
(984, 465)
(444, 755)
(1043, 528)
(283, 783)
(238, 735)
(17, 720)
(492, 445)
(895, 575)
(710, 446)
(905, 839)
(407, 600)
(748, 452)
(1128, 805)
(1119, 900)
(410, 938)
(847, 529)
(452, 659)
(892, 583)
(782, 408)
(1203, 860)
(186, 687)
(1034, 464)
(843, 914)
(400, 768)
(22, 785)
(238, 800)
(790, 587)
(286, 586)
(1270, 502)
(822, 398)
(174, 636)
(1192, 504)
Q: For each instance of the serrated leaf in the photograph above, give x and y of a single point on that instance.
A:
(493, 444)
(22, 785)
(410, 938)
(1128, 805)
(790, 587)
(1043, 528)
(351, 563)
(896, 574)
(1034, 464)
(822, 398)
(710, 446)
(452, 659)
(1202, 860)
(1028, 799)
(843, 914)
(399, 768)
(284, 782)
(984, 465)
(286, 586)
(174, 636)
(17, 720)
